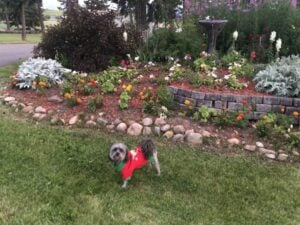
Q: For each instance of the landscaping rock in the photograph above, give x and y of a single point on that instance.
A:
(160, 122)
(157, 131)
(122, 127)
(40, 109)
(179, 129)
(91, 124)
(189, 131)
(21, 105)
(165, 128)
(266, 151)
(101, 114)
(270, 156)
(27, 109)
(250, 148)
(205, 133)
(117, 122)
(102, 121)
(54, 120)
(56, 99)
(234, 141)
(296, 153)
(147, 121)
(147, 131)
(9, 99)
(73, 120)
(135, 129)
(169, 134)
(259, 144)
(194, 138)
(110, 127)
(282, 157)
(178, 138)
(36, 116)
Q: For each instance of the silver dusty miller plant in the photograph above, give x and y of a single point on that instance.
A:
(33, 68)
(281, 78)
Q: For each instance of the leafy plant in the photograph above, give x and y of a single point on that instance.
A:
(233, 83)
(165, 98)
(94, 103)
(123, 101)
(39, 68)
(204, 113)
(280, 78)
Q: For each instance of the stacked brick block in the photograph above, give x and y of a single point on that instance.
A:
(222, 101)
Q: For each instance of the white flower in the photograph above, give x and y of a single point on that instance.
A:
(214, 68)
(170, 74)
(178, 65)
(207, 18)
(235, 35)
(137, 58)
(163, 116)
(178, 30)
(170, 58)
(278, 44)
(167, 78)
(164, 109)
(125, 36)
(151, 76)
(226, 77)
(83, 75)
(74, 72)
(245, 85)
(172, 68)
(214, 75)
(289, 130)
(129, 56)
(272, 36)
(291, 126)
(140, 77)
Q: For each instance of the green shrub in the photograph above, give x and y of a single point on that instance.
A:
(166, 43)
(87, 41)
(165, 98)
(280, 78)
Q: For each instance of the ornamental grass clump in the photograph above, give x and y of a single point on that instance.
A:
(281, 78)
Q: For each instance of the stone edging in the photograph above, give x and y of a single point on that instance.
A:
(233, 102)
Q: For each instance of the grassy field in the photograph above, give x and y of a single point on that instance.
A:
(59, 176)
(6, 71)
(56, 176)
(52, 12)
(16, 38)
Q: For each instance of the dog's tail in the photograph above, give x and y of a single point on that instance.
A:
(148, 148)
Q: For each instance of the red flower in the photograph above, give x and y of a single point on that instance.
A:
(253, 55)
(244, 102)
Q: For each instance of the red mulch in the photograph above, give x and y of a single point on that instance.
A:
(111, 101)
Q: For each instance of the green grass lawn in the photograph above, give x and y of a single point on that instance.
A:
(6, 71)
(16, 38)
(56, 176)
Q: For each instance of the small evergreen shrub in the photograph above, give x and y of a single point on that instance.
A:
(87, 41)
(281, 78)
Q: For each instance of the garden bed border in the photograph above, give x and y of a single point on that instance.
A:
(233, 102)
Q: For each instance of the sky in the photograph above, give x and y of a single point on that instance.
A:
(53, 4)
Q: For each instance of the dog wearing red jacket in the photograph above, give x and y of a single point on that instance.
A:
(126, 162)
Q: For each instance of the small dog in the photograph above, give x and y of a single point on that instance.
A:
(126, 161)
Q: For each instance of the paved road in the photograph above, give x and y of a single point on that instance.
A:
(10, 53)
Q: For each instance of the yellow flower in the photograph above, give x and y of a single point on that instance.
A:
(187, 102)
(129, 88)
(203, 66)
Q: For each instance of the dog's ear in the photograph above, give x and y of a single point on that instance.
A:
(110, 159)
(126, 156)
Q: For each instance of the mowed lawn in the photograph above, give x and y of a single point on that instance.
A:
(16, 38)
(56, 176)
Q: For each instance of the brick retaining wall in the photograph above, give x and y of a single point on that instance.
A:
(233, 102)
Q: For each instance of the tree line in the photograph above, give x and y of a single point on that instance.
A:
(29, 13)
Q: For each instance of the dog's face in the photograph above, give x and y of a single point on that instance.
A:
(118, 152)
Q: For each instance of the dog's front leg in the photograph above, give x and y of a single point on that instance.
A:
(156, 163)
(125, 183)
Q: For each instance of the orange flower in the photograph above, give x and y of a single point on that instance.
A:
(78, 100)
(124, 86)
(190, 107)
(142, 97)
(42, 84)
(68, 95)
(240, 117)
(150, 88)
(295, 114)
(141, 93)
(80, 81)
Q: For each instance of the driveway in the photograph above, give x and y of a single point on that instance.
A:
(10, 53)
